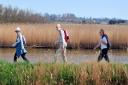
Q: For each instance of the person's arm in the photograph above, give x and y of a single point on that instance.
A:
(14, 44)
(98, 45)
(24, 40)
(58, 38)
(21, 41)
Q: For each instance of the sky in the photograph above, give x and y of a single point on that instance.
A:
(81, 8)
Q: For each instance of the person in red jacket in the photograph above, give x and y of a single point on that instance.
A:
(62, 43)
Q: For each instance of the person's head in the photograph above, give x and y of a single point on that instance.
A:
(58, 26)
(102, 32)
(18, 30)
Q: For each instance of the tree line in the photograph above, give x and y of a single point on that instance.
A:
(16, 15)
(11, 15)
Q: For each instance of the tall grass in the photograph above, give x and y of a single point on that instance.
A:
(63, 74)
(81, 36)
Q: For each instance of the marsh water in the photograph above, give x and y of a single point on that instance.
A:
(36, 55)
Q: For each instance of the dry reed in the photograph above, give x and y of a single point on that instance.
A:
(81, 35)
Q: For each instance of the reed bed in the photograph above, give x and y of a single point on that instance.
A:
(63, 74)
(81, 35)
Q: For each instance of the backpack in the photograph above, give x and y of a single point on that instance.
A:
(66, 35)
(24, 40)
(108, 42)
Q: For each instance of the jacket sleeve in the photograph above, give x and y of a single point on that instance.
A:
(17, 41)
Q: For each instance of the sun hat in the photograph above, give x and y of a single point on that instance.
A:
(17, 29)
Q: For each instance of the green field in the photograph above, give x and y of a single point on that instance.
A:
(63, 74)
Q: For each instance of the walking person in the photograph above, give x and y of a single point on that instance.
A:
(61, 43)
(104, 44)
(19, 45)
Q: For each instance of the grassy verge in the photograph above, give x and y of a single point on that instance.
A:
(63, 74)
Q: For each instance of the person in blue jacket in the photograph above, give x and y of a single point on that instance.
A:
(19, 45)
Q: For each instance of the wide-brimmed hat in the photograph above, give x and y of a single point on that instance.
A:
(17, 29)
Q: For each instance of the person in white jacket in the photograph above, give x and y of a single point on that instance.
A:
(103, 44)
(62, 44)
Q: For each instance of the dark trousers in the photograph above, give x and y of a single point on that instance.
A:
(22, 55)
(103, 54)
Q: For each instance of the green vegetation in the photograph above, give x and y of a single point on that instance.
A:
(63, 74)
